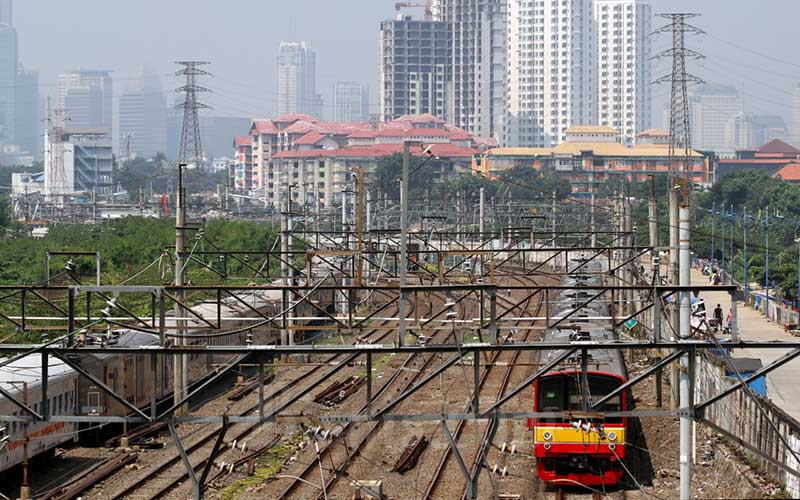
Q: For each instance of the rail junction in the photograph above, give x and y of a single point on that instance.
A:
(363, 319)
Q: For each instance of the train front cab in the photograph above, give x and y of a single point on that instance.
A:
(578, 451)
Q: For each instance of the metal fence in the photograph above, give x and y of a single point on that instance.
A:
(753, 419)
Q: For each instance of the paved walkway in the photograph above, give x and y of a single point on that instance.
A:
(783, 384)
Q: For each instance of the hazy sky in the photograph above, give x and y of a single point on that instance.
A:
(240, 38)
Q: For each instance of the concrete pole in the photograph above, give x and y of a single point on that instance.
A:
(285, 270)
(632, 306)
(594, 228)
(401, 327)
(481, 211)
(553, 210)
(672, 273)
(686, 441)
(652, 216)
(179, 366)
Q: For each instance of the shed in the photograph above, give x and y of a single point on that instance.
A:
(746, 367)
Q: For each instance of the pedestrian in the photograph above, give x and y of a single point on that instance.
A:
(718, 315)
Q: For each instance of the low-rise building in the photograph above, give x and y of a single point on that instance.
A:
(588, 164)
(285, 150)
(770, 157)
(789, 173)
(78, 160)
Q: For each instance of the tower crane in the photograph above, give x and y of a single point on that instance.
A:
(398, 6)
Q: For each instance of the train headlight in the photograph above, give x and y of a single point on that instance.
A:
(547, 435)
(612, 436)
(547, 446)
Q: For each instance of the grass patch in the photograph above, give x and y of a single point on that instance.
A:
(376, 365)
(267, 465)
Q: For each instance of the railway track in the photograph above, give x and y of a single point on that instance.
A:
(160, 480)
(445, 459)
(350, 452)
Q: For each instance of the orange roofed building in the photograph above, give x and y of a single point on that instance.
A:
(318, 157)
(593, 155)
(789, 173)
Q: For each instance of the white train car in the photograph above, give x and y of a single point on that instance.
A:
(23, 380)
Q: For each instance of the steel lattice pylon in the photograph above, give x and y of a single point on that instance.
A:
(679, 128)
(191, 150)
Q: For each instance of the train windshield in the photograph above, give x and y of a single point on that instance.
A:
(563, 392)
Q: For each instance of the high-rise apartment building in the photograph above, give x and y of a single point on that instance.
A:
(623, 65)
(7, 12)
(143, 117)
(479, 31)
(8, 83)
(350, 102)
(297, 80)
(85, 99)
(795, 124)
(415, 68)
(711, 108)
(551, 70)
(28, 112)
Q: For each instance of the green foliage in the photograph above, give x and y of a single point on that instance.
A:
(436, 177)
(756, 190)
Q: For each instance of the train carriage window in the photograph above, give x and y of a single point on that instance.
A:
(60, 403)
(551, 395)
(600, 386)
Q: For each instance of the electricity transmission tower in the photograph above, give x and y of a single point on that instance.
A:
(680, 143)
(191, 150)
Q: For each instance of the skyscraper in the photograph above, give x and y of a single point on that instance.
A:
(415, 68)
(479, 32)
(350, 102)
(551, 72)
(711, 108)
(6, 12)
(8, 82)
(795, 131)
(297, 80)
(28, 113)
(143, 117)
(85, 97)
(623, 65)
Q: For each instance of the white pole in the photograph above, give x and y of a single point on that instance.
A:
(686, 441)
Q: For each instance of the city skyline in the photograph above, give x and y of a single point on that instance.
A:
(158, 46)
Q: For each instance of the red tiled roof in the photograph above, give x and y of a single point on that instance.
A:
(242, 140)
(264, 127)
(423, 118)
(300, 127)
(293, 117)
(790, 172)
(778, 146)
(756, 161)
(379, 150)
(392, 132)
(429, 132)
(343, 128)
(489, 142)
(363, 134)
(312, 137)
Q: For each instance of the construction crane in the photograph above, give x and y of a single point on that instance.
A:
(408, 5)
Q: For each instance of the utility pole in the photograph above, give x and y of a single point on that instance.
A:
(681, 159)
(190, 149)
(652, 215)
(180, 378)
(687, 360)
(401, 327)
(713, 230)
(766, 268)
(593, 209)
(746, 278)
